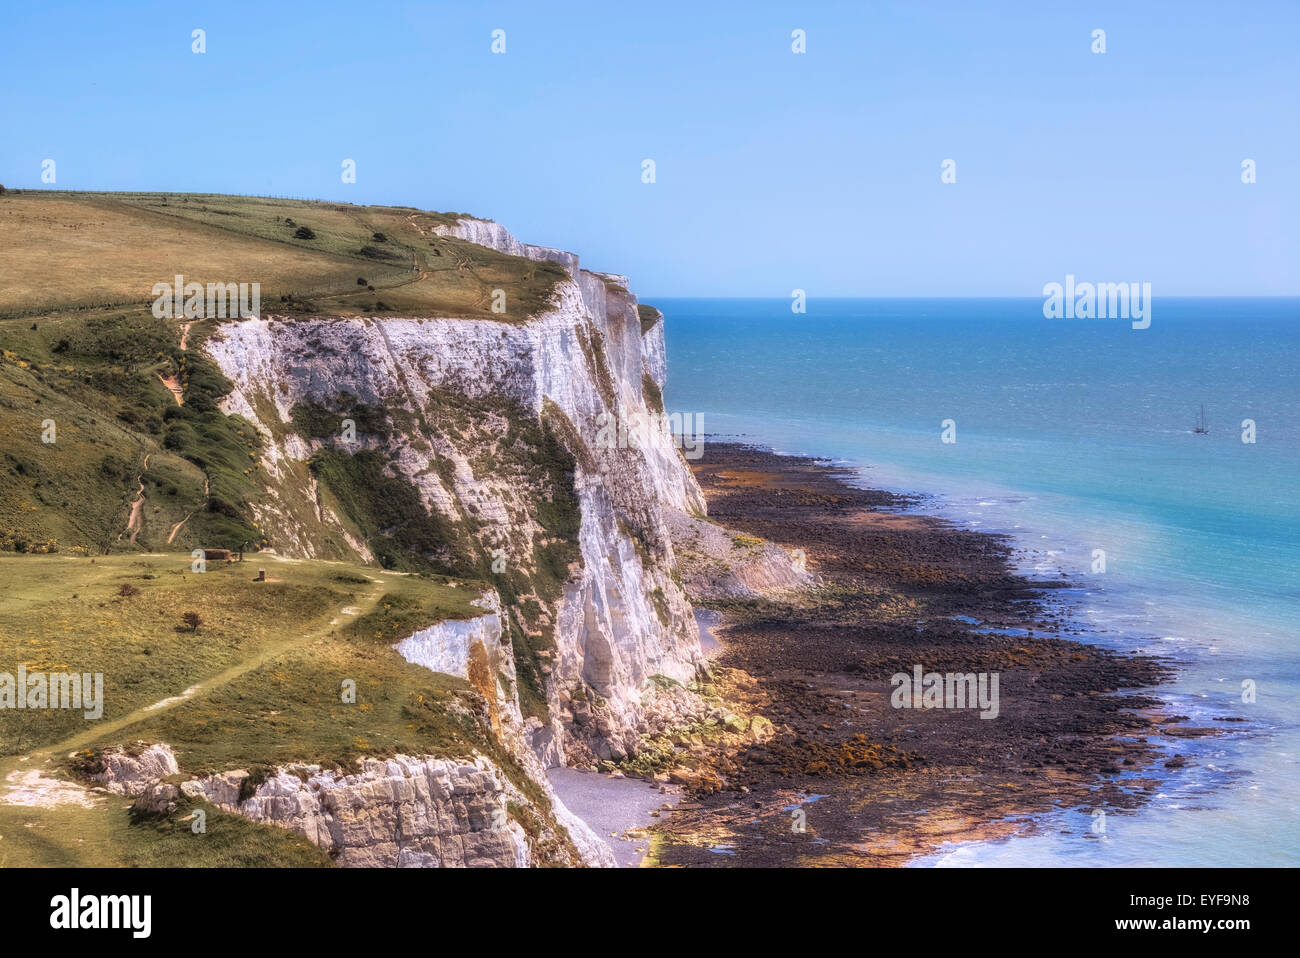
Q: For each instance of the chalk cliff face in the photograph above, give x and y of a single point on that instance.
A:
(620, 617)
(399, 812)
(408, 812)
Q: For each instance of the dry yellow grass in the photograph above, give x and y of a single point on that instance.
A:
(77, 250)
(58, 252)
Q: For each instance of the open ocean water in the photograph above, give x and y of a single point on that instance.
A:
(1073, 435)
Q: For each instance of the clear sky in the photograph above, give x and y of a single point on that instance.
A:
(774, 170)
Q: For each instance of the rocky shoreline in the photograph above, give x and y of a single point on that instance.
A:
(847, 778)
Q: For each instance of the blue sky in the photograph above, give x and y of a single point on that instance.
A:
(818, 171)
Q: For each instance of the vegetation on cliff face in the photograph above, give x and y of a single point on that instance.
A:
(316, 420)
(82, 403)
(87, 356)
(593, 350)
(654, 397)
(506, 446)
(649, 316)
(401, 533)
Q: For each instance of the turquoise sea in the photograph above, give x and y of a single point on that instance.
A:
(1073, 436)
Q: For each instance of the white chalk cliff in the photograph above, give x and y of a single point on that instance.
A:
(622, 618)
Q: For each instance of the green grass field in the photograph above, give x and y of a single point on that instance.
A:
(259, 683)
(61, 613)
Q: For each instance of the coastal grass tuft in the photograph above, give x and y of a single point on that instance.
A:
(654, 398)
(649, 316)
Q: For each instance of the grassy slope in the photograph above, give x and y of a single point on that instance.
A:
(66, 614)
(269, 660)
(290, 708)
(105, 836)
(95, 378)
(86, 250)
(79, 345)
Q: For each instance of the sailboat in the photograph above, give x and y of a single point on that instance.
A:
(1202, 427)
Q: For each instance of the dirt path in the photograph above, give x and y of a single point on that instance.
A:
(424, 232)
(134, 523)
(177, 528)
(463, 262)
(173, 384)
(102, 730)
(20, 775)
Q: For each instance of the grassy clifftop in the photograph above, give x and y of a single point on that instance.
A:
(95, 250)
(100, 401)
(256, 683)
(123, 616)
